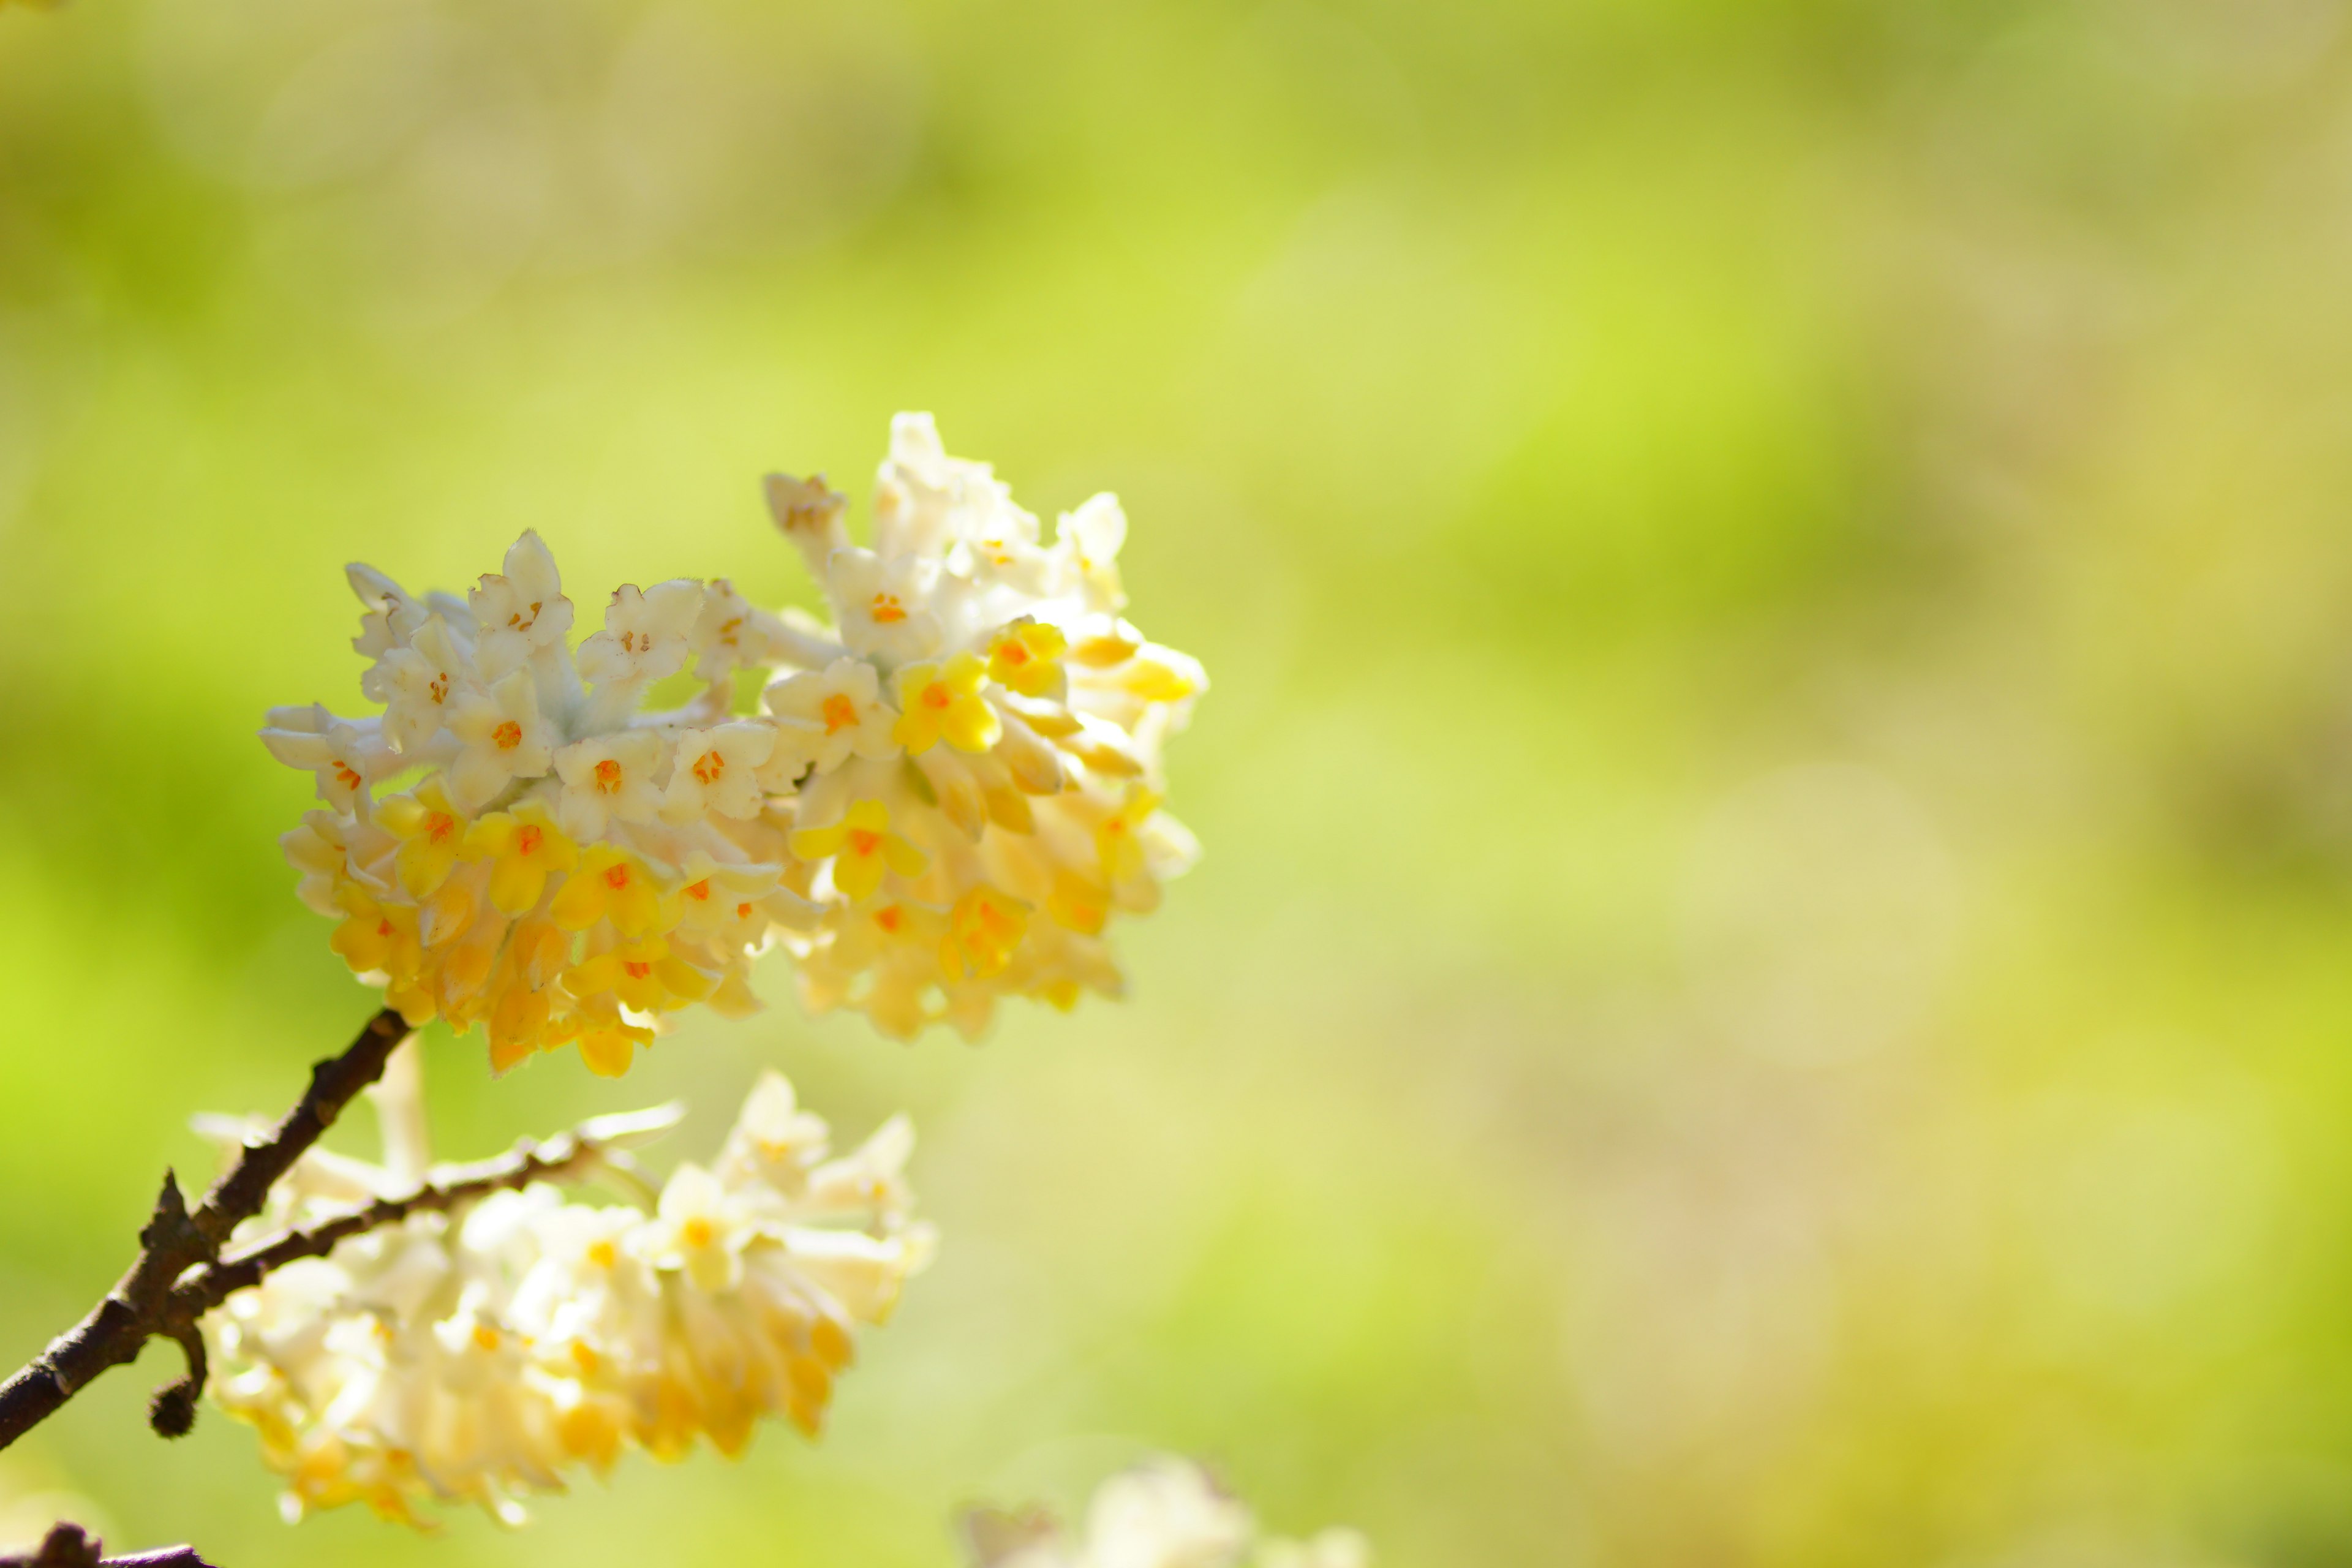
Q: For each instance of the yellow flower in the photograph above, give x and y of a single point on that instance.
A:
(982, 930)
(645, 975)
(1026, 656)
(603, 1037)
(1115, 838)
(610, 884)
(937, 700)
(518, 1024)
(862, 846)
(1078, 904)
(432, 833)
(377, 937)
(523, 846)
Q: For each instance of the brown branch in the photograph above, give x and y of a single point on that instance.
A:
(566, 1155)
(141, 1304)
(69, 1546)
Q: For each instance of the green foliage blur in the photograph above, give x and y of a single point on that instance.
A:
(1772, 981)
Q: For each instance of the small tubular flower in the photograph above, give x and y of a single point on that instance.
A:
(610, 884)
(608, 778)
(647, 633)
(432, 833)
(502, 737)
(718, 770)
(861, 848)
(483, 1356)
(843, 704)
(524, 848)
(884, 606)
(1026, 657)
(948, 797)
(942, 701)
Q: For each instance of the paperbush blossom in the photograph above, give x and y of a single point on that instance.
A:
(484, 1356)
(1165, 1513)
(940, 799)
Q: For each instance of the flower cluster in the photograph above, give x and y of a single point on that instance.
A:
(939, 799)
(478, 1357)
(1165, 1513)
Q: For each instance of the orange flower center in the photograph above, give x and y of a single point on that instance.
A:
(887, 609)
(699, 893)
(508, 735)
(348, 775)
(709, 766)
(638, 970)
(438, 826)
(698, 1232)
(527, 840)
(889, 918)
(616, 877)
(937, 695)
(1012, 653)
(608, 777)
(840, 713)
(864, 841)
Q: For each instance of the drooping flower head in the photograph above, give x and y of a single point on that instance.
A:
(1164, 1513)
(481, 1357)
(940, 799)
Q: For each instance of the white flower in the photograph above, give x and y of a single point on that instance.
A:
(809, 513)
(521, 613)
(391, 618)
(347, 757)
(842, 704)
(884, 606)
(1164, 1513)
(1091, 538)
(731, 633)
(608, 778)
(422, 680)
(703, 1230)
(504, 738)
(483, 1358)
(646, 633)
(718, 770)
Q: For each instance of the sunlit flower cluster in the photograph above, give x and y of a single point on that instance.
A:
(938, 800)
(481, 1357)
(1165, 1513)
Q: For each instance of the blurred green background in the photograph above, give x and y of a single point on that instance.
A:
(1770, 982)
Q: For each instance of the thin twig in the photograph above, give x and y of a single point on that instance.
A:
(566, 1155)
(141, 1304)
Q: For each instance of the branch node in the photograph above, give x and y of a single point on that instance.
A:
(173, 1412)
(68, 1546)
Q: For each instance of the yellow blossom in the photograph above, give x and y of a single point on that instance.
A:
(377, 937)
(1078, 904)
(939, 701)
(1026, 657)
(1115, 838)
(432, 834)
(523, 846)
(862, 846)
(645, 975)
(609, 884)
(982, 930)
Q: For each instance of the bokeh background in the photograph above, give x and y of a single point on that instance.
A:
(1772, 981)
